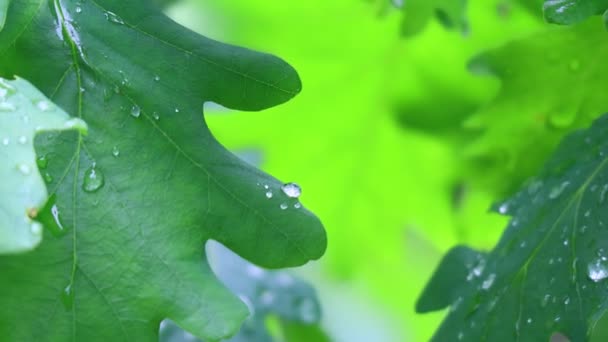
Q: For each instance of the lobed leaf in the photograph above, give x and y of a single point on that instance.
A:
(547, 274)
(142, 193)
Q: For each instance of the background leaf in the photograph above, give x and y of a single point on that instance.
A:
(568, 12)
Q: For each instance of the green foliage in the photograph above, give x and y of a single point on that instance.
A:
(567, 12)
(3, 9)
(24, 112)
(142, 193)
(417, 14)
(555, 85)
(547, 273)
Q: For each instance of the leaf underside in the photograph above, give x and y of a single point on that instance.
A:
(24, 112)
(142, 193)
(548, 272)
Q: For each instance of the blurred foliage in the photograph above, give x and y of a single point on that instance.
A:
(410, 145)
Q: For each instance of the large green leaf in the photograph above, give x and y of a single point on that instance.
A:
(554, 86)
(143, 192)
(548, 274)
(572, 11)
(24, 112)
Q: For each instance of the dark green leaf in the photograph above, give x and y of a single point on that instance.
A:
(548, 274)
(566, 12)
(142, 193)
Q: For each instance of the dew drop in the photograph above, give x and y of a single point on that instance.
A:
(23, 140)
(67, 297)
(115, 151)
(603, 193)
(78, 9)
(57, 229)
(529, 320)
(503, 208)
(556, 191)
(283, 206)
(298, 205)
(545, 300)
(135, 111)
(42, 162)
(157, 78)
(460, 336)
(24, 169)
(6, 141)
(93, 180)
(36, 228)
(488, 282)
(269, 194)
(292, 190)
(156, 116)
(114, 18)
(47, 177)
(177, 110)
(43, 106)
(567, 301)
(597, 271)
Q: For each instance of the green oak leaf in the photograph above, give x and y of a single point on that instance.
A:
(24, 112)
(417, 14)
(143, 192)
(566, 12)
(548, 273)
(268, 294)
(554, 86)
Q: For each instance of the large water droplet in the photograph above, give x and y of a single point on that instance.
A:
(557, 190)
(42, 162)
(67, 297)
(597, 271)
(93, 179)
(114, 18)
(292, 190)
(135, 111)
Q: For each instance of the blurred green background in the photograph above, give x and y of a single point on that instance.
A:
(400, 144)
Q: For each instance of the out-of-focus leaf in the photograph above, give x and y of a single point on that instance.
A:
(267, 293)
(566, 12)
(142, 193)
(556, 84)
(24, 112)
(549, 271)
(3, 10)
(417, 14)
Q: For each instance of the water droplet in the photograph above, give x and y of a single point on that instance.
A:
(269, 194)
(6, 141)
(47, 177)
(307, 310)
(488, 282)
(24, 169)
(114, 18)
(78, 9)
(177, 110)
(42, 162)
(93, 180)
(157, 78)
(57, 229)
(597, 271)
(43, 106)
(545, 300)
(135, 111)
(566, 242)
(603, 193)
(7, 107)
(67, 297)
(556, 191)
(567, 301)
(298, 205)
(460, 336)
(36, 228)
(292, 190)
(503, 208)
(115, 151)
(23, 140)
(529, 320)
(284, 206)
(156, 116)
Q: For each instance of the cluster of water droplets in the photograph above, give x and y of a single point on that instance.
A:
(291, 191)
